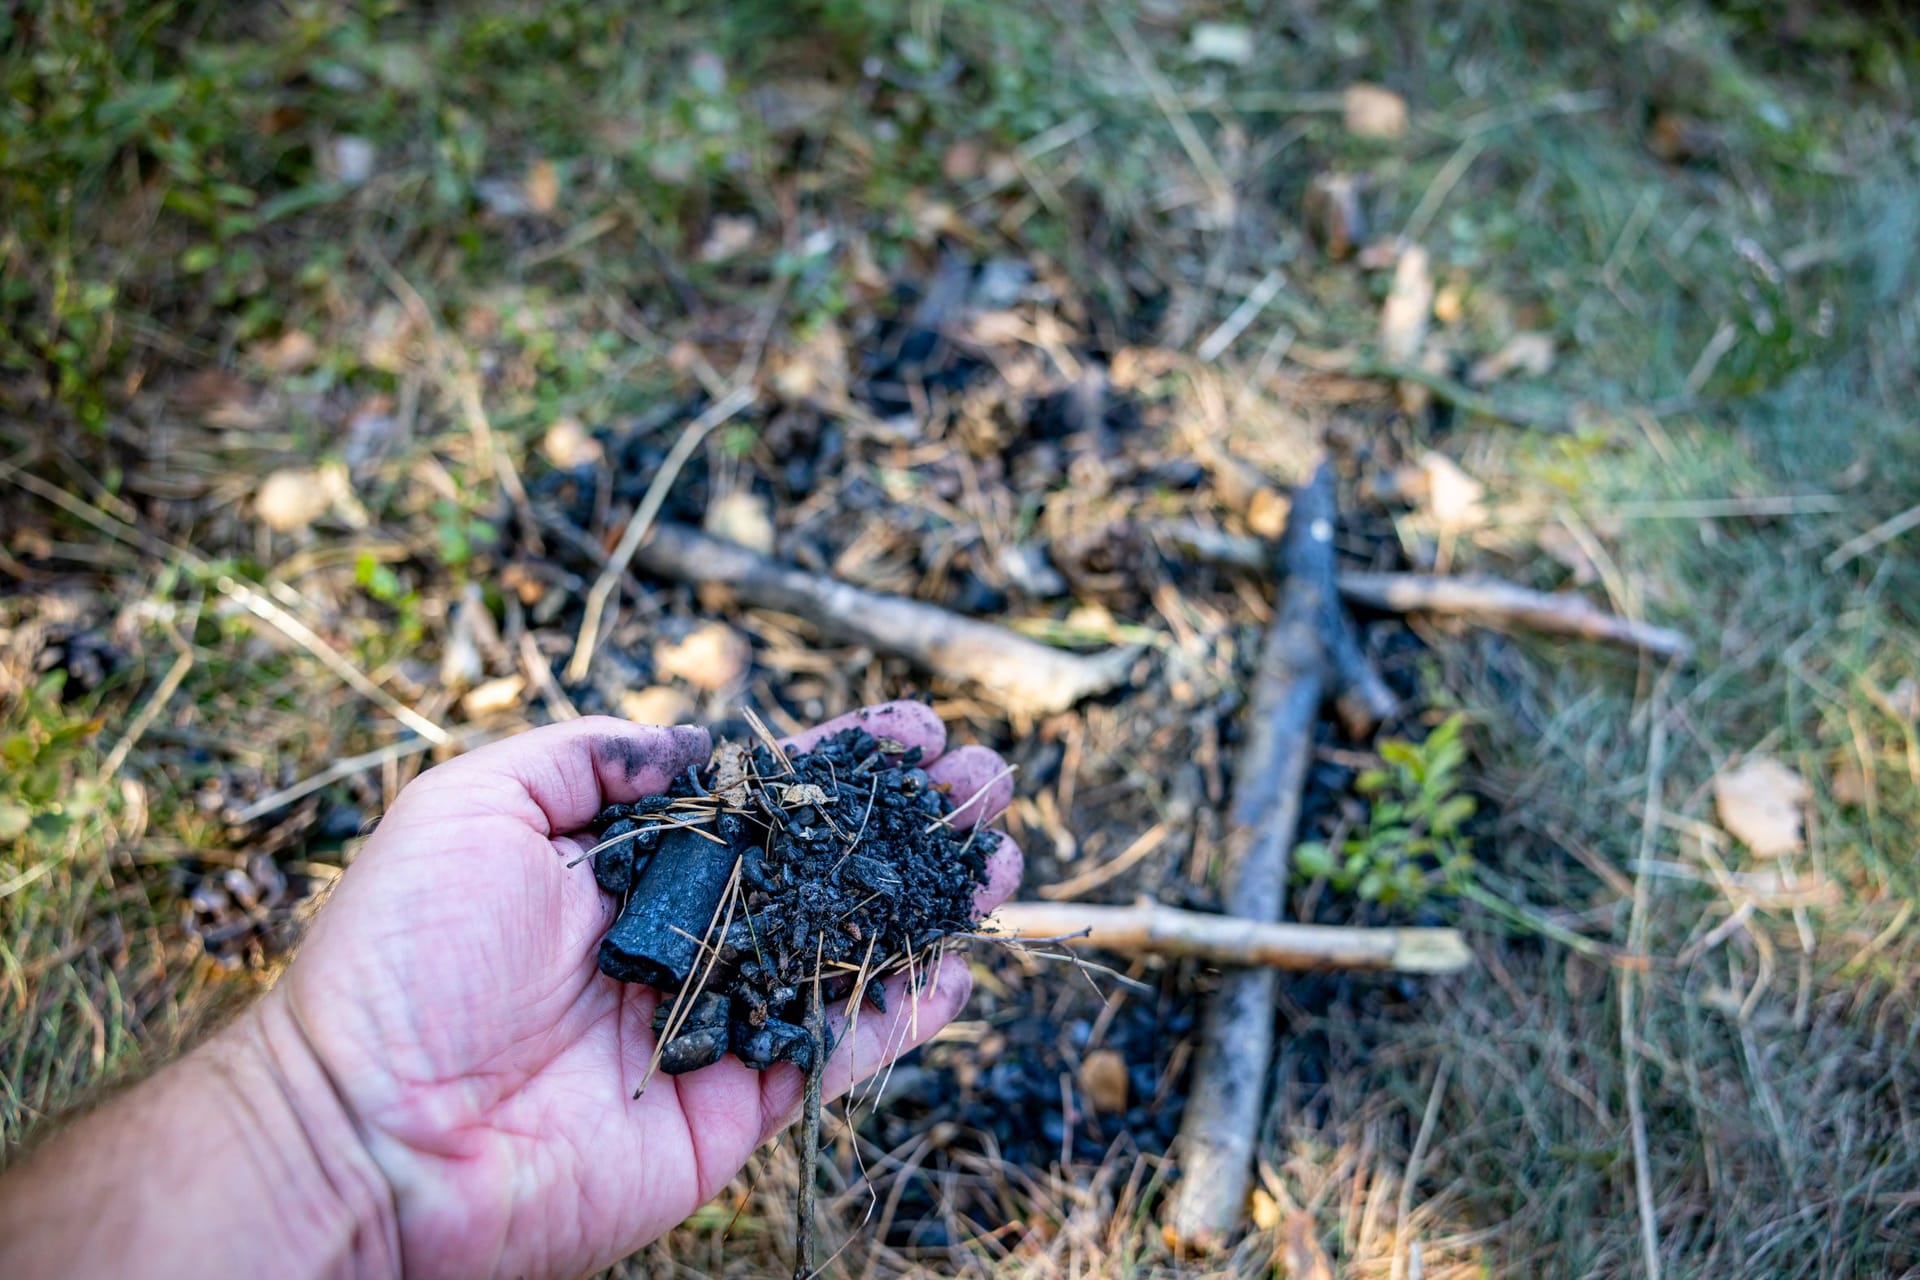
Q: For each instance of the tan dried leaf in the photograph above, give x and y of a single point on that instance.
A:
(657, 704)
(1529, 354)
(1848, 785)
(713, 656)
(1408, 308)
(1374, 112)
(542, 186)
(1454, 498)
(1103, 1079)
(493, 697)
(743, 518)
(1760, 803)
(567, 445)
(291, 499)
(1301, 1257)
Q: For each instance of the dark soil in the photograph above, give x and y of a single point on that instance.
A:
(745, 885)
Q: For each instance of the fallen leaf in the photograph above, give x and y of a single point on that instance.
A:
(728, 236)
(1409, 306)
(1263, 1210)
(1334, 217)
(1454, 498)
(567, 445)
(291, 499)
(1759, 802)
(542, 186)
(712, 656)
(1529, 354)
(1847, 784)
(1556, 541)
(961, 162)
(656, 705)
(1374, 112)
(291, 352)
(1227, 42)
(388, 338)
(1103, 1078)
(493, 697)
(1302, 1258)
(743, 518)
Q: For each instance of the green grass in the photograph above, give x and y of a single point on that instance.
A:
(1739, 325)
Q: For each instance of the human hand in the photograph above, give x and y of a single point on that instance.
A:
(449, 993)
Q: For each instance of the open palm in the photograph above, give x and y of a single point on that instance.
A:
(450, 992)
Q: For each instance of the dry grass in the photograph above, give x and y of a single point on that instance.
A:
(1737, 322)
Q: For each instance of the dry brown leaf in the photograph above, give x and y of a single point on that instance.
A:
(656, 705)
(1556, 541)
(1409, 306)
(1529, 354)
(1103, 1078)
(1302, 1258)
(567, 445)
(291, 352)
(1334, 215)
(712, 656)
(291, 499)
(1847, 784)
(1454, 498)
(493, 697)
(1759, 802)
(542, 186)
(743, 518)
(728, 236)
(1374, 112)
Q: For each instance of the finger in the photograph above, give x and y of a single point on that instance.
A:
(978, 784)
(912, 723)
(569, 772)
(1004, 868)
(876, 1039)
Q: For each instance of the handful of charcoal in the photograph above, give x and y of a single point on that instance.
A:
(768, 872)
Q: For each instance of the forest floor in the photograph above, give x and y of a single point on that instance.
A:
(340, 345)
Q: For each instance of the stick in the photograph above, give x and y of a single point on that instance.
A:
(656, 496)
(810, 1139)
(1503, 604)
(1151, 929)
(1874, 538)
(1020, 674)
(1362, 698)
(1489, 601)
(350, 765)
(1224, 1112)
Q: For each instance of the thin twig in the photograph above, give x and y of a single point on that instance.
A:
(656, 496)
(1142, 847)
(351, 765)
(1881, 534)
(810, 1134)
(169, 685)
(970, 801)
(1629, 978)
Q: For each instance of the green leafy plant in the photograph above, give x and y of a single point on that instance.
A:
(1412, 842)
(43, 791)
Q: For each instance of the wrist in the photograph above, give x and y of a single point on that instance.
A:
(332, 1198)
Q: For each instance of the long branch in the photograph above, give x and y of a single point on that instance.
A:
(1152, 929)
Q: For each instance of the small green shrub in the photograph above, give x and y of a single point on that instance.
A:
(1412, 842)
